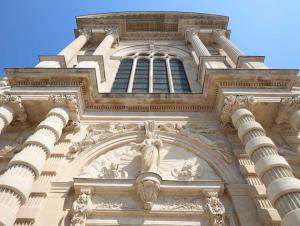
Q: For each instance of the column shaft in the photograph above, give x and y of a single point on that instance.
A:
(6, 116)
(151, 75)
(197, 44)
(131, 79)
(74, 47)
(232, 51)
(283, 189)
(105, 44)
(171, 86)
(26, 166)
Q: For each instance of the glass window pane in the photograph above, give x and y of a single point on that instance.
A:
(160, 76)
(122, 78)
(141, 77)
(180, 82)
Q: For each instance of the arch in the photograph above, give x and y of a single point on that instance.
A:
(145, 48)
(215, 161)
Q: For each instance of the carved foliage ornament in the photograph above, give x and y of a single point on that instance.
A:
(287, 106)
(70, 102)
(15, 103)
(215, 210)
(233, 103)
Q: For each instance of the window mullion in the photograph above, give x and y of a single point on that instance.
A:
(171, 86)
(151, 76)
(131, 79)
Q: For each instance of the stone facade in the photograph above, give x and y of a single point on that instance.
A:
(225, 152)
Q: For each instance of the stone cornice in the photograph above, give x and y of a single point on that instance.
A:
(215, 80)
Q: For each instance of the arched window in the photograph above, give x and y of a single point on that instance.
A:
(180, 82)
(122, 78)
(160, 76)
(141, 77)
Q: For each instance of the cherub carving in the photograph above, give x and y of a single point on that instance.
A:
(188, 171)
(112, 172)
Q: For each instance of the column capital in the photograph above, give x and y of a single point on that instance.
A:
(233, 103)
(113, 31)
(15, 103)
(219, 32)
(70, 102)
(86, 32)
(288, 106)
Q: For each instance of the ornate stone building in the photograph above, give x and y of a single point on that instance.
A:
(150, 118)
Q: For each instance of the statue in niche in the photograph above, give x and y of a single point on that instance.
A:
(149, 149)
(215, 211)
(81, 208)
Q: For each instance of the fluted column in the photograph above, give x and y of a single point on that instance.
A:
(68, 52)
(283, 189)
(26, 166)
(198, 46)
(232, 51)
(11, 108)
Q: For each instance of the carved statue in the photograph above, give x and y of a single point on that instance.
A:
(150, 150)
(215, 211)
(81, 208)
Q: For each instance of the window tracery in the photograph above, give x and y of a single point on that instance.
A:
(151, 72)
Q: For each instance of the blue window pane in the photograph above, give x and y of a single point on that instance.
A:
(141, 77)
(160, 76)
(122, 78)
(180, 82)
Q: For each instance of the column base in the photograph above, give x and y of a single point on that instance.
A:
(207, 62)
(56, 61)
(93, 61)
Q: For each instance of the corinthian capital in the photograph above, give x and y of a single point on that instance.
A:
(86, 32)
(233, 103)
(15, 103)
(287, 106)
(113, 31)
(70, 102)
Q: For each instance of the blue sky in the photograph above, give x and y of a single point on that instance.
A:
(43, 27)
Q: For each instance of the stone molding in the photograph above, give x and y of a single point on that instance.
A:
(15, 103)
(287, 106)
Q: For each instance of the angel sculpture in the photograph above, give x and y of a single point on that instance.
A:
(149, 149)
